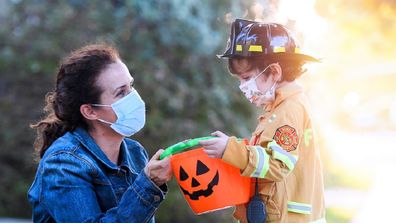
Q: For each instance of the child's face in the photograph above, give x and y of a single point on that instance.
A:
(263, 81)
(244, 70)
(258, 85)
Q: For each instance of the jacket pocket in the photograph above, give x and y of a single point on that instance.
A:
(269, 196)
(105, 194)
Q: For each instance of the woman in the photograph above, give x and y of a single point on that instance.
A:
(89, 171)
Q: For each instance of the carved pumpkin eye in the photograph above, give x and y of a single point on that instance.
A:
(200, 169)
(183, 175)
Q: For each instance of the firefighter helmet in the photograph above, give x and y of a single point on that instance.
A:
(268, 40)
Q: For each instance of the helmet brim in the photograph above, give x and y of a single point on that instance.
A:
(274, 56)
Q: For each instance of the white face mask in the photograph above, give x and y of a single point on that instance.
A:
(254, 95)
(131, 114)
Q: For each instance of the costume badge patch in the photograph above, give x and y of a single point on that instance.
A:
(286, 136)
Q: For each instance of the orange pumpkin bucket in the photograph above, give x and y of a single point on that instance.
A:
(208, 184)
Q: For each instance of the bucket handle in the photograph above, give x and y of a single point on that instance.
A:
(180, 146)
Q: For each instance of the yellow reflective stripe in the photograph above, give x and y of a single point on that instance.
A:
(307, 136)
(322, 220)
(262, 162)
(279, 49)
(300, 208)
(282, 155)
(257, 161)
(297, 50)
(284, 159)
(238, 47)
(255, 48)
(266, 165)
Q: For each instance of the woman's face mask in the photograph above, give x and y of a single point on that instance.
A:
(254, 95)
(131, 114)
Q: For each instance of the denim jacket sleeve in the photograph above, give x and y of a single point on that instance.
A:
(68, 194)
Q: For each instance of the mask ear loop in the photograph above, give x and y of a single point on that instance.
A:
(271, 92)
(266, 69)
(100, 105)
(104, 121)
(99, 119)
(261, 72)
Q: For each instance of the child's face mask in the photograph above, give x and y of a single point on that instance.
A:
(254, 95)
(131, 114)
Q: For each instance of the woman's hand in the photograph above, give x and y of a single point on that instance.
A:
(215, 147)
(159, 171)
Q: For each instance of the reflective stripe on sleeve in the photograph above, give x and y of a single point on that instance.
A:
(322, 220)
(300, 208)
(282, 155)
(262, 163)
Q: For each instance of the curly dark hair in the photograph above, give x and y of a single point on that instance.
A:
(75, 86)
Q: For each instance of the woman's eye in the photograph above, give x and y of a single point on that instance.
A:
(121, 93)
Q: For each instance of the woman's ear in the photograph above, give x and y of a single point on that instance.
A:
(88, 112)
(276, 70)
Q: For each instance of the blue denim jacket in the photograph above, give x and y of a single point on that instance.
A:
(76, 182)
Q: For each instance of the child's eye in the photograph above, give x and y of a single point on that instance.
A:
(246, 78)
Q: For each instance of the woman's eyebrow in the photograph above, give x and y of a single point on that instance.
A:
(120, 87)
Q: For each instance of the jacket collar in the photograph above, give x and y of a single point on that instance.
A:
(282, 94)
(88, 142)
(124, 153)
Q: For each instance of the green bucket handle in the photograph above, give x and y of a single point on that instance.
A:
(180, 146)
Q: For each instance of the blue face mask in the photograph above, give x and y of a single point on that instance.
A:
(131, 114)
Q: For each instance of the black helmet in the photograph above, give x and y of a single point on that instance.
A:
(267, 40)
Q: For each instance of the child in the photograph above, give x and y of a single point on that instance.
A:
(282, 154)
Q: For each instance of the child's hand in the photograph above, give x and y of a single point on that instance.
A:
(215, 147)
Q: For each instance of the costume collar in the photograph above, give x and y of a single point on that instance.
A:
(281, 94)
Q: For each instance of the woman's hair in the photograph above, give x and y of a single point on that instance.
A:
(291, 69)
(75, 86)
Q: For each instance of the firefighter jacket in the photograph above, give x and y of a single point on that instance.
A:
(283, 156)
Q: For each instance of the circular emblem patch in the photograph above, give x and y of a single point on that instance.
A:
(286, 137)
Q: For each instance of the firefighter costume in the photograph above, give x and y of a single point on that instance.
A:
(282, 154)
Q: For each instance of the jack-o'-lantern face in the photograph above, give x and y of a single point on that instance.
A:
(201, 184)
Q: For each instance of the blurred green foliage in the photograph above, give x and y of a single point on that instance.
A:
(170, 48)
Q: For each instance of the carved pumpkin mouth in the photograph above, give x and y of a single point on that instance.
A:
(196, 194)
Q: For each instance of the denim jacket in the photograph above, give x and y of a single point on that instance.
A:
(76, 182)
